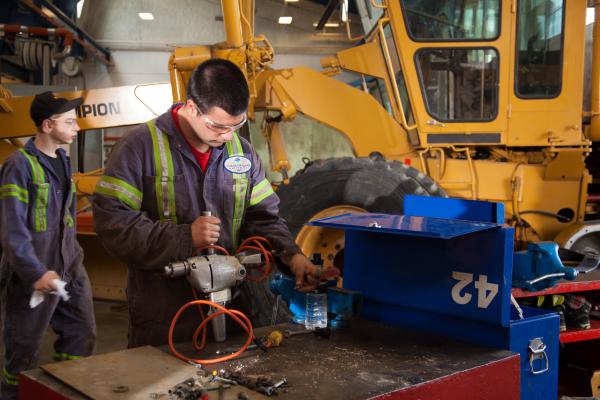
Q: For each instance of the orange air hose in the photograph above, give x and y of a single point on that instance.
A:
(237, 315)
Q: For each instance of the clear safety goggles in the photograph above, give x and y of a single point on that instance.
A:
(69, 121)
(220, 128)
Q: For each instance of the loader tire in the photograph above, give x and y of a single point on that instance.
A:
(372, 184)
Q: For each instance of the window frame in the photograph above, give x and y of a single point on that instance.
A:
(496, 83)
(562, 59)
(433, 40)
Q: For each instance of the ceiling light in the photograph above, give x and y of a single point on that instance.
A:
(146, 16)
(344, 10)
(285, 20)
(328, 24)
(590, 15)
(291, 1)
(47, 12)
(79, 8)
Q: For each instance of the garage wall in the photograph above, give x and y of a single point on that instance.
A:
(141, 50)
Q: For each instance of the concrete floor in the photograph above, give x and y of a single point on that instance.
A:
(111, 321)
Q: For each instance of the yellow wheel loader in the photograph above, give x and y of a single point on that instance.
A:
(475, 99)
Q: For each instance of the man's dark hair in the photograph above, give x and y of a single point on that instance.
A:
(219, 83)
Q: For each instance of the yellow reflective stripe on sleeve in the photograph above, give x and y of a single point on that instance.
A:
(12, 190)
(164, 182)
(240, 187)
(118, 188)
(41, 199)
(261, 191)
(65, 357)
(9, 378)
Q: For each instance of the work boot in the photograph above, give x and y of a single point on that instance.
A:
(577, 312)
(556, 302)
(594, 299)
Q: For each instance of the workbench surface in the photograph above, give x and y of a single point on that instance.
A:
(370, 360)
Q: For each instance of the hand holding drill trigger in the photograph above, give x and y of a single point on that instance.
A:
(308, 275)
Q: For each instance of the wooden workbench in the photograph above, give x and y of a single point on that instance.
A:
(368, 360)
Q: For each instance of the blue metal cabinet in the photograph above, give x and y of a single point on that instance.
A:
(451, 277)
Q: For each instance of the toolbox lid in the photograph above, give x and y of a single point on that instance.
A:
(408, 225)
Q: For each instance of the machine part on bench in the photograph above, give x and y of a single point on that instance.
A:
(243, 396)
(120, 388)
(282, 382)
(320, 332)
(289, 332)
(263, 343)
(190, 389)
(261, 383)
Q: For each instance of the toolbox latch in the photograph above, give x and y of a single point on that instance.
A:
(537, 351)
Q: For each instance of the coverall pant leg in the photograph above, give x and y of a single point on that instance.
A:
(24, 328)
(74, 322)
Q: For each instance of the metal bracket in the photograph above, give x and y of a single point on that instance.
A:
(537, 351)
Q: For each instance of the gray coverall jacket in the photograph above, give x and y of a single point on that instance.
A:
(129, 221)
(37, 234)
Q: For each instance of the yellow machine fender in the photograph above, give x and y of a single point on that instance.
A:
(581, 237)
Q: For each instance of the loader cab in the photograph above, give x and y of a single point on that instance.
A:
(487, 72)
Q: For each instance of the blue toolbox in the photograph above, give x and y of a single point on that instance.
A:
(446, 267)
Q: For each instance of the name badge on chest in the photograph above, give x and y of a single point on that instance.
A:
(238, 164)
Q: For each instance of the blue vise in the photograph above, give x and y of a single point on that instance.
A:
(542, 265)
(342, 304)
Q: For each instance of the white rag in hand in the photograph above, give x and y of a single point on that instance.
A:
(38, 297)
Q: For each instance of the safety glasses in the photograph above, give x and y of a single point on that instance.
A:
(220, 128)
(69, 121)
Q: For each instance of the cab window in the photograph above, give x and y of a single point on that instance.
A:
(539, 48)
(459, 84)
(452, 20)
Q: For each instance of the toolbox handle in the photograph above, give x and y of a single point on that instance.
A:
(537, 351)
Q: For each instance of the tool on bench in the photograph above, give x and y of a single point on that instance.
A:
(261, 383)
(274, 339)
(319, 332)
(214, 275)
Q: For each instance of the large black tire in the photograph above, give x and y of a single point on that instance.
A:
(373, 184)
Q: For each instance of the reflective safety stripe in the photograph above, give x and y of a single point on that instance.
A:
(240, 187)
(10, 378)
(164, 181)
(41, 200)
(65, 357)
(68, 219)
(261, 191)
(120, 189)
(12, 190)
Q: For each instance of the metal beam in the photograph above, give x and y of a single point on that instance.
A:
(80, 36)
(333, 4)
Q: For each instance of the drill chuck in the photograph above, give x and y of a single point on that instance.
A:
(177, 269)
